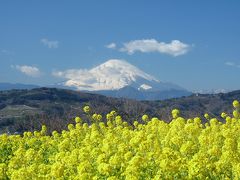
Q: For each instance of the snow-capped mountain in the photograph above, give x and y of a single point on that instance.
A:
(111, 75)
(119, 78)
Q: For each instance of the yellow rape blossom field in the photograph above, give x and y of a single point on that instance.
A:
(110, 148)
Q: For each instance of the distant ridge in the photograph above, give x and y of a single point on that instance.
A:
(9, 86)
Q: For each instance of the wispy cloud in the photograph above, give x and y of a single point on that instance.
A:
(49, 44)
(6, 52)
(229, 64)
(111, 46)
(28, 70)
(174, 48)
(232, 64)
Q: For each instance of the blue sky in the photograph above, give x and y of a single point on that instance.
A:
(194, 44)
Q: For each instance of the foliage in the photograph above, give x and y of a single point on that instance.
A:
(182, 149)
(26, 110)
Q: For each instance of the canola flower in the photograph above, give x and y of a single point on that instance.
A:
(181, 149)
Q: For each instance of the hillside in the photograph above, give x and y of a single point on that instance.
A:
(27, 109)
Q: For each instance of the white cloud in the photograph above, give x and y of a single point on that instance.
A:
(28, 70)
(73, 74)
(174, 48)
(6, 52)
(232, 64)
(111, 46)
(229, 63)
(49, 44)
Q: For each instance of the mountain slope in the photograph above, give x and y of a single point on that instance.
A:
(133, 93)
(118, 78)
(111, 75)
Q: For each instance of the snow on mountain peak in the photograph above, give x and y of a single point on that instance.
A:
(111, 75)
(145, 87)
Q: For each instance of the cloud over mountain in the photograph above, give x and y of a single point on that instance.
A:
(174, 48)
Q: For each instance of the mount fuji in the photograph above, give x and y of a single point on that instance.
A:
(118, 78)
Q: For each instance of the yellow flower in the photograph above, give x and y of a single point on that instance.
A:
(86, 109)
(181, 149)
(70, 127)
(128, 156)
(78, 120)
(207, 116)
(118, 120)
(135, 123)
(236, 104)
(115, 160)
(236, 114)
(99, 117)
(104, 169)
(113, 113)
(175, 113)
(145, 118)
(223, 115)
(57, 170)
(55, 133)
(3, 169)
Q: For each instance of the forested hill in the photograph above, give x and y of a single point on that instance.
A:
(27, 109)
